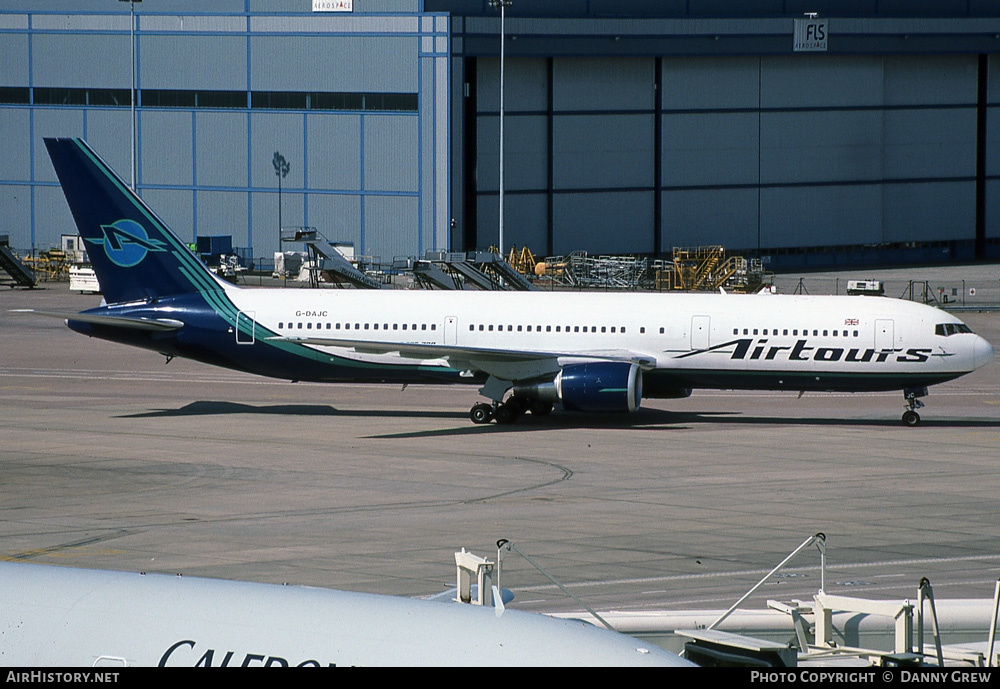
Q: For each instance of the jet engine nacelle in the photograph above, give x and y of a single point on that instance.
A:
(605, 386)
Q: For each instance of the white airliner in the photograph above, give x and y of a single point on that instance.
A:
(59, 616)
(528, 351)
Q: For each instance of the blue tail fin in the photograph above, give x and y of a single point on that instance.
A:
(134, 254)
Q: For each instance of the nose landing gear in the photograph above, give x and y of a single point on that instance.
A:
(910, 416)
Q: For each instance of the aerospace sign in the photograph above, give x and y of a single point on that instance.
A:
(810, 35)
(333, 5)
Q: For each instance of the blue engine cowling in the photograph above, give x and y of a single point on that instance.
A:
(606, 386)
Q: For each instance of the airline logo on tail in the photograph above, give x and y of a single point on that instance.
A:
(126, 242)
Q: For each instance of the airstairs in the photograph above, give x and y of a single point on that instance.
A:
(450, 270)
(21, 274)
(327, 259)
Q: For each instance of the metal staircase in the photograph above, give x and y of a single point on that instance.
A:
(326, 259)
(21, 274)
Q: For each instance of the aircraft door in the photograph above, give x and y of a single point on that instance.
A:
(450, 330)
(245, 330)
(884, 334)
(701, 328)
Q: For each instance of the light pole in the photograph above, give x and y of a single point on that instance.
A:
(503, 5)
(133, 94)
(281, 168)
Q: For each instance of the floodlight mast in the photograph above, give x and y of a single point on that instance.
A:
(133, 94)
(503, 5)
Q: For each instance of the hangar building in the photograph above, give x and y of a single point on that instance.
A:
(631, 126)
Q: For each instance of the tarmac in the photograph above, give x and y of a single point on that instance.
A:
(111, 458)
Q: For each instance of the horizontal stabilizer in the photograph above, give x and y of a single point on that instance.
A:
(151, 324)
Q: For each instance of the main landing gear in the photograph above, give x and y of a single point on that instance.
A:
(509, 411)
(910, 416)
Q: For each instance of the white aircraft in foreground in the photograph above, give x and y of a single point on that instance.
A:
(528, 351)
(60, 616)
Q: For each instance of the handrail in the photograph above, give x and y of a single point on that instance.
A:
(504, 544)
(819, 539)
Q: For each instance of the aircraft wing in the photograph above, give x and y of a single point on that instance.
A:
(149, 324)
(479, 357)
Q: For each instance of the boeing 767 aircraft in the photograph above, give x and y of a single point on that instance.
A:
(527, 351)
(62, 616)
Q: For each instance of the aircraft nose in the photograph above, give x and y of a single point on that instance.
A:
(982, 352)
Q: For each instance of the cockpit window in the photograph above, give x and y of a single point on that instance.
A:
(947, 329)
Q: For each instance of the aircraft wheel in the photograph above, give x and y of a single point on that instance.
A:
(505, 414)
(539, 407)
(481, 413)
(911, 418)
